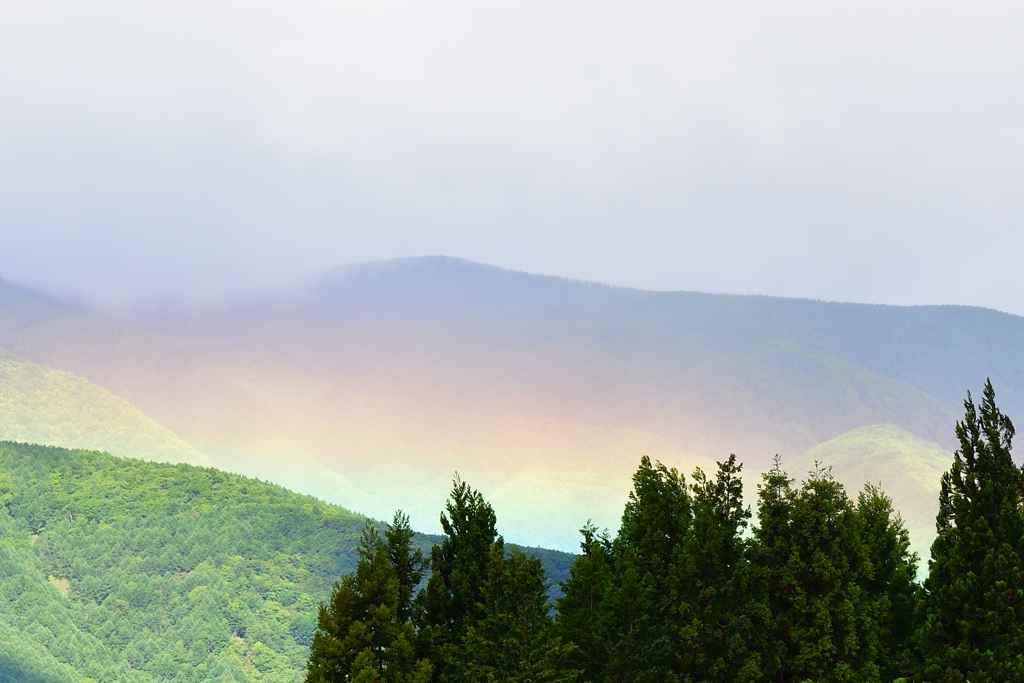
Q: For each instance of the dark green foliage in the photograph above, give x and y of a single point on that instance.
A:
(361, 635)
(974, 630)
(891, 584)
(453, 597)
(406, 561)
(583, 610)
(823, 591)
(675, 595)
(656, 520)
(816, 566)
(514, 639)
(484, 613)
(719, 606)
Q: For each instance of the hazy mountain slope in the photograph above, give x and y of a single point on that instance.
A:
(373, 388)
(217, 396)
(56, 408)
(444, 350)
(908, 468)
(707, 373)
(349, 442)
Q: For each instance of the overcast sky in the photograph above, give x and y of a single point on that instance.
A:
(859, 151)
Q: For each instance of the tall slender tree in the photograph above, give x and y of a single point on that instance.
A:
(514, 640)
(654, 525)
(974, 629)
(452, 599)
(583, 615)
(360, 637)
(719, 607)
(891, 584)
(407, 562)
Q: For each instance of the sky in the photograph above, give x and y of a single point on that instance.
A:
(195, 151)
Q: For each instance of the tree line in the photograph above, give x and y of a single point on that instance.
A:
(823, 588)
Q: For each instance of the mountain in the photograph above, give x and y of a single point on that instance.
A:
(121, 569)
(907, 467)
(370, 389)
(56, 408)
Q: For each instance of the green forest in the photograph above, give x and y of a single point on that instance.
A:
(136, 571)
(823, 588)
(114, 569)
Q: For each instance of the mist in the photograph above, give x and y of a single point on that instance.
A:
(200, 151)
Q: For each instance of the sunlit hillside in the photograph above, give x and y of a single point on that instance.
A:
(907, 467)
(373, 388)
(56, 408)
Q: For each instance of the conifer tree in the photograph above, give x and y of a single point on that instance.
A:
(616, 603)
(655, 522)
(583, 615)
(360, 637)
(408, 563)
(974, 629)
(815, 564)
(514, 641)
(719, 606)
(452, 598)
(773, 545)
(891, 584)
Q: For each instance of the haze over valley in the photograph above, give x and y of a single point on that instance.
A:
(373, 388)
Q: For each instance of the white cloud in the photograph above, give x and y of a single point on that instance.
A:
(864, 151)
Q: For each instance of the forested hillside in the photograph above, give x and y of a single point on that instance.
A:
(128, 570)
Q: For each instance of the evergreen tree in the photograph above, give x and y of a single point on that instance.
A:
(772, 548)
(408, 563)
(975, 588)
(892, 584)
(359, 636)
(815, 564)
(654, 524)
(514, 640)
(583, 614)
(719, 605)
(452, 599)
(616, 605)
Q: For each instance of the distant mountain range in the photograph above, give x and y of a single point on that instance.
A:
(373, 388)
